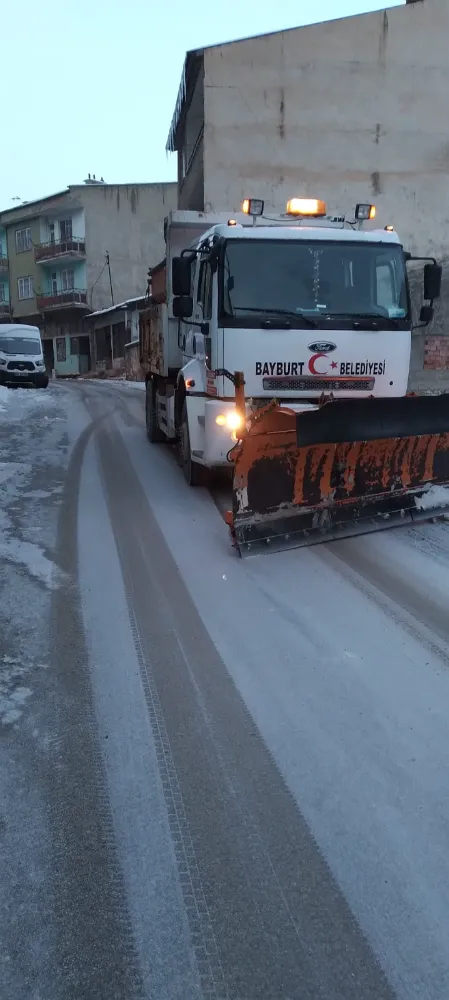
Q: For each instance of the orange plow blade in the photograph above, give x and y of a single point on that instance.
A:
(344, 468)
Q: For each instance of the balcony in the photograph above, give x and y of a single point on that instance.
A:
(60, 250)
(3, 263)
(71, 298)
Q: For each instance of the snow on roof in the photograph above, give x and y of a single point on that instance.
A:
(118, 305)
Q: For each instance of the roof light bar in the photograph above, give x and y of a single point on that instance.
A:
(306, 207)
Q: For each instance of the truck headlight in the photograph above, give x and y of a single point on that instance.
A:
(231, 419)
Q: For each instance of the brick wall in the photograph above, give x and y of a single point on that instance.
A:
(436, 353)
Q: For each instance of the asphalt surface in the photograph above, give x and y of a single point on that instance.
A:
(179, 817)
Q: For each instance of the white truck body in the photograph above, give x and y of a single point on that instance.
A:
(294, 358)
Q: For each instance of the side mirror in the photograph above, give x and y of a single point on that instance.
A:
(182, 306)
(432, 281)
(181, 276)
(426, 315)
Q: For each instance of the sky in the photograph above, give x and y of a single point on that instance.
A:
(91, 88)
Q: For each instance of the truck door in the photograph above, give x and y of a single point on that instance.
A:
(205, 341)
(197, 339)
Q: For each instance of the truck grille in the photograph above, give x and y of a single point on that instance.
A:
(319, 384)
(20, 366)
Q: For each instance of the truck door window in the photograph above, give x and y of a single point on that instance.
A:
(385, 286)
(204, 295)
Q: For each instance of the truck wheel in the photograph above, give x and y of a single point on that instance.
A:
(154, 433)
(194, 474)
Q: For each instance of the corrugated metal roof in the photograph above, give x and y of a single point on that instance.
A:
(118, 305)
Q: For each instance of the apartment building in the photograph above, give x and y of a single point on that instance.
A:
(349, 110)
(78, 251)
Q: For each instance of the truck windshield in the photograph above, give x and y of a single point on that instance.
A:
(314, 280)
(20, 345)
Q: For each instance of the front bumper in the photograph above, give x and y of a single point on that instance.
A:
(35, 378)
(219, 440)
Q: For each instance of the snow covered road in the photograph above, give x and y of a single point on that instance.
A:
(221, 778)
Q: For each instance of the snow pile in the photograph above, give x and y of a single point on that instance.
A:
(17, 404)
(435, 496)
(32, 559)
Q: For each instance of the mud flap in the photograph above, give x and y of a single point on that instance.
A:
(347, 467)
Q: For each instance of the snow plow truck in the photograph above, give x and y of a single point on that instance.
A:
(280, 347)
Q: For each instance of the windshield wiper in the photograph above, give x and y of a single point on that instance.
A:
(375, 318)
(289, 313)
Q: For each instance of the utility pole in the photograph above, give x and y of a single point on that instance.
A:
(110, 277)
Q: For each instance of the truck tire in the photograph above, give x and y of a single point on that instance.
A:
(154, 433)
(194, 474)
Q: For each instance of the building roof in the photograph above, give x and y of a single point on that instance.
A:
(194, 58)
(117, 306)
(25, 206)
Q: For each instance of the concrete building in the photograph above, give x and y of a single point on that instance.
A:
(78, 251)
(351, 110)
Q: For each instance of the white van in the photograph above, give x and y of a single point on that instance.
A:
(21, 356)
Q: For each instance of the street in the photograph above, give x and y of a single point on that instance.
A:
(219, 778)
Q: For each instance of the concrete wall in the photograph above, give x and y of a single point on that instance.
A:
(190, 157)
(191, 187)
(349, 110)
(128, 222)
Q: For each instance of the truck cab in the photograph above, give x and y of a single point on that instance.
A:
(306, 307)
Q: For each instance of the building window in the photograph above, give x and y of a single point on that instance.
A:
(51, 232)
(65, 228)
(61, 350)
(2, 291)
(23, 240)
(54, 283)
(67, 279)
(25, 288)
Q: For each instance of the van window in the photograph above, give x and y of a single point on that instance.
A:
(20, 345)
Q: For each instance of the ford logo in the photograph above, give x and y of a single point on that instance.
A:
(322, 345)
